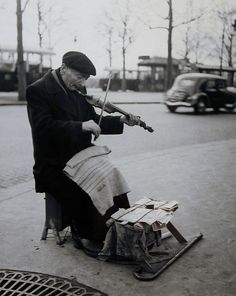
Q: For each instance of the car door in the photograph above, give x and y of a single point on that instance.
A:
(224, 96)
(210, 89)
(214, 92)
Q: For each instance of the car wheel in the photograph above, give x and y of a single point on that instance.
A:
(230, 109)
(172, 109)
(200, 107)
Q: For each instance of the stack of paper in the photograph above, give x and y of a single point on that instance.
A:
(157, 204)
(147, 211)
(170, 206)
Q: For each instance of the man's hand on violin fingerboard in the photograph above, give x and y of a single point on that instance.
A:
(130, 119)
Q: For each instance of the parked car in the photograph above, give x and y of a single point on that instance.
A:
(200, 91)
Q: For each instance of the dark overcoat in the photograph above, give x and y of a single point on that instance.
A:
(56, 122)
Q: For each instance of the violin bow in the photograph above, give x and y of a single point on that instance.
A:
(104, 101)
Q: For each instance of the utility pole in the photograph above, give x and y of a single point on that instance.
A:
(21, 73)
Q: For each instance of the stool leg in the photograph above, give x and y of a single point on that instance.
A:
(176, 233)
(55, 218)
(45, 232)
(56, 233)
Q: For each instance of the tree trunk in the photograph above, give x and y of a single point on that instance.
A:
(110, 48)
(169, 58)
(222, 49)
(40, 35)
(21, 73)
(230, 60)
(123, 86)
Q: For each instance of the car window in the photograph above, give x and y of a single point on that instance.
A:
(221, 84)
(186, 82)
(210, 84)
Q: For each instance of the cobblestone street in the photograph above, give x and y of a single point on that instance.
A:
(16, 148)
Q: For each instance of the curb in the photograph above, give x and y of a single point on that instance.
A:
(13, 103)
(23, 103)
(127, 103)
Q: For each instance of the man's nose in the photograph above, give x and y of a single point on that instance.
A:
(81, 81)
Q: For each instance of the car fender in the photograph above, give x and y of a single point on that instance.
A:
(200, 96)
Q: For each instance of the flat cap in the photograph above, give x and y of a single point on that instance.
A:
(79, 61)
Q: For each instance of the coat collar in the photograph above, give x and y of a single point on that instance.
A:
(51, 84)
(62, 99)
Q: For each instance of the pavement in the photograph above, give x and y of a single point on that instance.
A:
(207, 204)
(10, 98)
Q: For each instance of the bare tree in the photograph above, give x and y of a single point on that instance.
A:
(108, 32)
(44, 26)
(169, 57)
(222, 48)
(170, 27)
(119, 29)
(196, 41)
(40, 33)
(227, 18)
(109, 48)
(187, 40)
(127, 39)
(21, 71)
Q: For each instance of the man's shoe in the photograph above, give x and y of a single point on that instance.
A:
(90, 248)
(77, 243)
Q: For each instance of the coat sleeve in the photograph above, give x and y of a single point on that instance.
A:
(45, 128)
(109, 124)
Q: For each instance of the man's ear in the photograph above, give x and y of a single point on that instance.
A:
(63, 68)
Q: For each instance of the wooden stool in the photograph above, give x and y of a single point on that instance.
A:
(56, 219)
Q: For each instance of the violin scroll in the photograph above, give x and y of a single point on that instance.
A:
(146, 127)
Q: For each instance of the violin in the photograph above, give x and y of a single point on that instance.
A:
(111, 108)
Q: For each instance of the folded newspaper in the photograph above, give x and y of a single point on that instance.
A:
(147, 211)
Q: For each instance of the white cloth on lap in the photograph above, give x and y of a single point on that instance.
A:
(92, 170)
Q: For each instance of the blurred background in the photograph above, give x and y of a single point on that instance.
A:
(148, 43)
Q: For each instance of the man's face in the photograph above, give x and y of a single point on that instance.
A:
(73, 79)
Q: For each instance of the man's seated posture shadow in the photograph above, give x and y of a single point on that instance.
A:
(63, 123)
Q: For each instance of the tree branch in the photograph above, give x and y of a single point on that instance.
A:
(152, 28)
(26, 3)
(189, 21)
